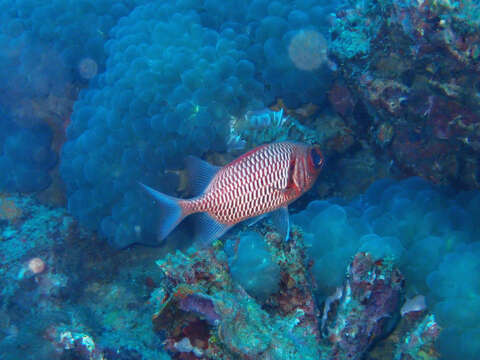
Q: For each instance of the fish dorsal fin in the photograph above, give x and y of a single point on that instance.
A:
(199, 173)
(281, 222)
(207, 229)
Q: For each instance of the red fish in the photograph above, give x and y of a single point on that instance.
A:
(264, 180)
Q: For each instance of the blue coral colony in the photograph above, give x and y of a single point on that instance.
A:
(383, 253)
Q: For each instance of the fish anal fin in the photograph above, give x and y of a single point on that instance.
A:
(207, 229)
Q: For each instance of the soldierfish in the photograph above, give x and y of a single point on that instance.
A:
(262, 181)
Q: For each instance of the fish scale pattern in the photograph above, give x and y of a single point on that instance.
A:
(251, 185)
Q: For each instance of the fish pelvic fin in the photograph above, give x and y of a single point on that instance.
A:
(172, 211)
(281, 221)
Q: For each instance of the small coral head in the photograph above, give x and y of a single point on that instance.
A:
(36, 265)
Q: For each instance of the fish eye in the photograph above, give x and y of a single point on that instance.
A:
(317, 157)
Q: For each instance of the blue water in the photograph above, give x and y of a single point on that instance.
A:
(97, 97)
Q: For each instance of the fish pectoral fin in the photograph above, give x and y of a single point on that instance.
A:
(207, 229)
(287, 191)
(281, 221)
(282, 190)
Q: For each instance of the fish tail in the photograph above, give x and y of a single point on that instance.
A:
(172, 211)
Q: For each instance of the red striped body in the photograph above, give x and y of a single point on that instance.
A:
(262, 180)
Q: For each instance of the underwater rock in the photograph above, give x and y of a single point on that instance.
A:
(414, 337)
(200, 268)
(422, 95)
(364, 310)
(418, 342)
(230, 324)
(122, 354)
(207, 314)
(296, 291)
(28, 233)
(74, 345)
(341, 99)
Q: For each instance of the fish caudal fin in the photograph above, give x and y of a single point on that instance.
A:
(171, 211)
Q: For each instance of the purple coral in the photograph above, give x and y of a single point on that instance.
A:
(364, 310)
(201, 305)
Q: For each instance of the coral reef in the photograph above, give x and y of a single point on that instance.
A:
(175, 75)
(57, 23)
(414, 337)
(256, 296)
(50, 51)
(25, 155)
(74, 344)
(122, 90)
(205, 307)
(266, 126)
(429, 232)
(456, 303)
(37, 94)
(252, 266)
(205, 312)
(64, 294)
(409, 84)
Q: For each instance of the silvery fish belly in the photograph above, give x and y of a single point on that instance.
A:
(264, 180)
